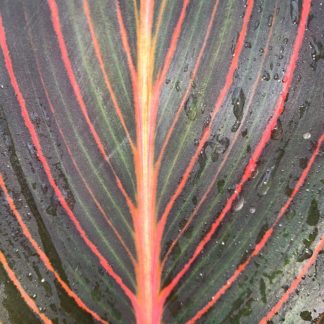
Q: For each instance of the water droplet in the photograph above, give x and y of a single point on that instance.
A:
(247, 45)
(220, 185)
(265, 183)
(303, 163)
(238, 205)
(238, 101)
(31, 149)
(276, 76)
(277, 132)
(295, 8)
(306, 254)
(307, 136)
(202, 160)
(220, 146)
(303, 108)
(191, 107)
(284, 80)
(256, 24)
(207, 121)
(317, 52)
(313, 213)
(306, 316)
(177, 86)
(244, 132)
(265, 76)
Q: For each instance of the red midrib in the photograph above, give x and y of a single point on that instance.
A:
(148, 264)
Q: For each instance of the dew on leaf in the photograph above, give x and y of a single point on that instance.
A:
(219, 147)
(202, 160)
(263, 291)
(207, 121)
(220, 185)
(277, 132)
(265, 183)
(239, 204)
(238, 101)
(191, 107)
(303, 163)
(247, 45)
(302, 108)
(306, 316)
(313, 213)
(304, 255)
(295, 8)
(307, 136)
(311, 238)
(177, 86)
(317, 50)
(244, 132)
(256, 24)
(266, 76)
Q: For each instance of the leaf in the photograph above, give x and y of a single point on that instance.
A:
(161, 161)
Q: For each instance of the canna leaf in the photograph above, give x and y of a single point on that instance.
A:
(161, 161)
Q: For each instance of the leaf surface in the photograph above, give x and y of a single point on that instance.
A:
(161, 161)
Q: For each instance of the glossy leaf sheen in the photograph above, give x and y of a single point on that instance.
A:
(161, 161)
